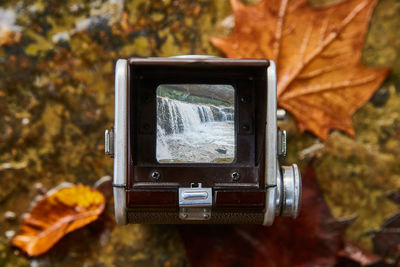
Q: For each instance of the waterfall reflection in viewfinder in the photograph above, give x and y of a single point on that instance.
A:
(195, 123)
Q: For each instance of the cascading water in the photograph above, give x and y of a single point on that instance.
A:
(189, 132)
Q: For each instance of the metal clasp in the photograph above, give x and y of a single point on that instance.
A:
(109, 142)
(195, 202)
(281, 142)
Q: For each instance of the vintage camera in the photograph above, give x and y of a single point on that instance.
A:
(195, 140)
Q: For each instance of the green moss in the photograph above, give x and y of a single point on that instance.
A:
(357, 174)
(182, 96)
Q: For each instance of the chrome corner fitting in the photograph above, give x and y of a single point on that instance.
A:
(119, 141)
(283, 183)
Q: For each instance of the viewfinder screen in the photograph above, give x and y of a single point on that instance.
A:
(195, 123)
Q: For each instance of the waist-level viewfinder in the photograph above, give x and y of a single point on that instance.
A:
(195, 140)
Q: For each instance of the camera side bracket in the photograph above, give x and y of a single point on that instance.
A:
(119, 142)
(271, 146)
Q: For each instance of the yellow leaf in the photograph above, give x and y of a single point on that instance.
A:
(56, 215)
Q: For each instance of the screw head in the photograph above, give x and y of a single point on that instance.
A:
(147, 99)
(245, 99)
(146, 126)
(235, 176)
(156, 175)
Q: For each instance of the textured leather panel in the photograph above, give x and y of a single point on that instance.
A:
(217, 217)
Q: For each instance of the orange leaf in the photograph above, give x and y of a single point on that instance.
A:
(8, 37)
(56, 215)
(321, 79)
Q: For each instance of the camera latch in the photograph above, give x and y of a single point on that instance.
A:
(195, 202)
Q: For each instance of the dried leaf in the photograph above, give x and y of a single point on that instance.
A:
(321, 79)
(8, 37)
(310, 240)
(56, 215)
(352, 253)
(386, 241)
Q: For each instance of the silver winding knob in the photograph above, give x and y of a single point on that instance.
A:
(289, 188)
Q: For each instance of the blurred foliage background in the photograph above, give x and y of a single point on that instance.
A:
(56, 98)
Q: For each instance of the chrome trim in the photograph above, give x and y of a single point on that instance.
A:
(195, 56)
(270, 146)
(270, 201)
(120, 140)
(120, 205)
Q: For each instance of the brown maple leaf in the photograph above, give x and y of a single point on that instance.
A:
(321, 79)
(56, 215)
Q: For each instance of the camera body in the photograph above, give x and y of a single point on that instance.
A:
(195, 140)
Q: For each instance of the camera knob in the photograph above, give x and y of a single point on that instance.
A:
(290, 191)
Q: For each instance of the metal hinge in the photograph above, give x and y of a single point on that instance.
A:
(109, 142)
(281, 142)
(195, 202)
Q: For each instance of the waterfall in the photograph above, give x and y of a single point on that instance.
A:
(205, 113)
(189, 132)
(175, 116)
